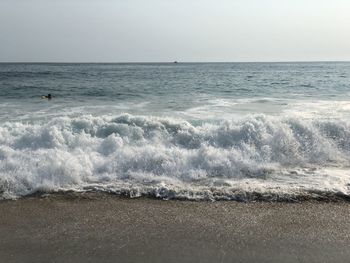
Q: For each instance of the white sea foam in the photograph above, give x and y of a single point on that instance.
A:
(256, 156)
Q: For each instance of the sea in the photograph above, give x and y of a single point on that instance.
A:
(188, 131)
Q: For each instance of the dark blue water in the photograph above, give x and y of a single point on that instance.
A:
(116, 82)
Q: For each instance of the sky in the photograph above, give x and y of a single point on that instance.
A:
(169, 30)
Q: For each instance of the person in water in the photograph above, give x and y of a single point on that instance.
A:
(49, 97)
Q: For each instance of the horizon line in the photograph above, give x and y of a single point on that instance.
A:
(170, 62)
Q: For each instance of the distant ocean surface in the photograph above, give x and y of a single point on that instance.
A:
(210, 131)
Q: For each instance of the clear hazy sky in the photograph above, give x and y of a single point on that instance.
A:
(168, 30)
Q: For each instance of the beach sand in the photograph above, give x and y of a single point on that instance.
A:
(106, 228)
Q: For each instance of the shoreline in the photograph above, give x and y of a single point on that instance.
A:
(244, 197)
(98, 227)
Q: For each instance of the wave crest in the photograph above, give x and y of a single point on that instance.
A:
(257, 154)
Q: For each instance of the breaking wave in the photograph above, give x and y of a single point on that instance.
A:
(257, 157)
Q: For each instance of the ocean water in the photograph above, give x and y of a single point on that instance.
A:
(210, 131)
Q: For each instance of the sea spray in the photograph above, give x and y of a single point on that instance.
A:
(254, 157)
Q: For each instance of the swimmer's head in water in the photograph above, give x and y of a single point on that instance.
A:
(48, 96)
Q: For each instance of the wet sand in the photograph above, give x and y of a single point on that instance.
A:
(104, 228)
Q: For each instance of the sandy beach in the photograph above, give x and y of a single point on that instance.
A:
(105, 228)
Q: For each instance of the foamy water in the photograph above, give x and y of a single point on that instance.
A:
(205, 145)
